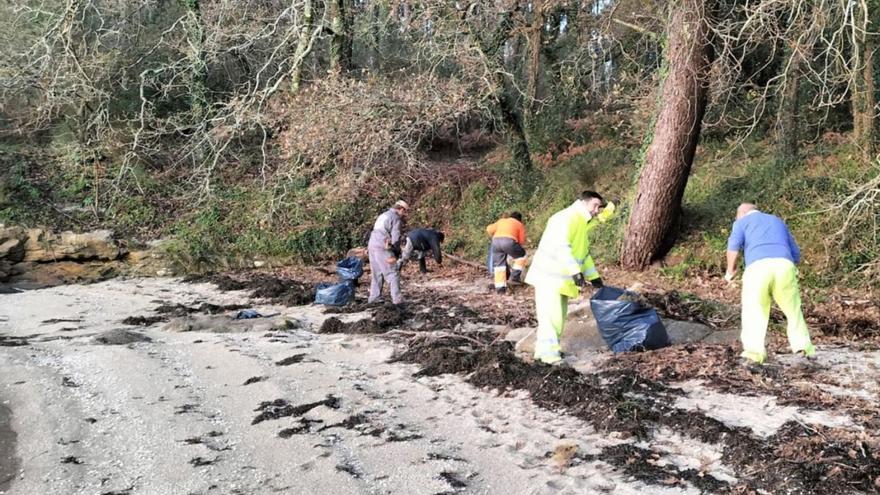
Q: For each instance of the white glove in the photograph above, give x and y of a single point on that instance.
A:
(728, 277)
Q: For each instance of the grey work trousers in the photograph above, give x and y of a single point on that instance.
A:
(381, 271)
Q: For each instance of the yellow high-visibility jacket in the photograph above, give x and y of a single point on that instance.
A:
(564, 250)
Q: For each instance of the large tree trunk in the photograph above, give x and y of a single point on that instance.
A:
(533, 68)
(376, 38)
(340, 41)
(863, 101)
(303, 46)
(195, 37)
(514, 129)
(657, 206)
(509, 109)
(511, 113)
(788, 130)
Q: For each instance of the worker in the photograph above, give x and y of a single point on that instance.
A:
(384, 250)
(770, 274)
(418, 243)
(562, 266)
(508, 236)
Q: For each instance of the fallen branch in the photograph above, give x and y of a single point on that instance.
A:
(463, 261)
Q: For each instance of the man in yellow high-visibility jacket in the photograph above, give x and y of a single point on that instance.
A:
(562, 266)
(771, 255)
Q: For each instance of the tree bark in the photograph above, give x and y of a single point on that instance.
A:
(863, 100)
(376, 41)
(657, 206)
(511, 115)
(788, 129)
(195, 37)
(533, 69)
(340, 40)
(303, 46)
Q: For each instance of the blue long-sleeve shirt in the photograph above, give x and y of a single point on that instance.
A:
(761, 235)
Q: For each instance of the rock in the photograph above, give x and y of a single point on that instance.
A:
(120, 337)
(516, 334)
(22, 268)
(138, 256)
(218, 324)
(149, 261)
(581, 333)
(686, 331)
(11, 249)
(526, 344)
(5, 270)
(45, 246)
(29, 275)
(722, 337)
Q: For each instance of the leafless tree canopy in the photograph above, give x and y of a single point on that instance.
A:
(360, 88)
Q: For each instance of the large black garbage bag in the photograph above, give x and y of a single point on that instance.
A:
(350, 268)
(624, 324)
(335, 294)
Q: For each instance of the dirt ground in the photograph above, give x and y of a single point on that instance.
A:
(150, 386)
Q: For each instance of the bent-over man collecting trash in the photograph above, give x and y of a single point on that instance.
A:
(771, 254)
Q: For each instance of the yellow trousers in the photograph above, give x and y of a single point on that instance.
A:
(551, 309)
(764, 281)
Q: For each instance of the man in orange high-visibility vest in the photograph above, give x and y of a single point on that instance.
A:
(508, 236)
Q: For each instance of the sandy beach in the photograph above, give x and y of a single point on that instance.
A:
(202, 404)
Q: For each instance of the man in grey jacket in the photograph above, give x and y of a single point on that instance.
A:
(384, 249)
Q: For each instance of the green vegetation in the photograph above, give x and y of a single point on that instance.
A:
(299, 221)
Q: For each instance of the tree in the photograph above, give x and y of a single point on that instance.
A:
(533, 68)
(798, 47)
(511, 112)
(195, 37)
(657, 206)
(340, 36)
(863, 100)
(303, 46)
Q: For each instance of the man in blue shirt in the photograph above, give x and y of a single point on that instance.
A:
(771, 254)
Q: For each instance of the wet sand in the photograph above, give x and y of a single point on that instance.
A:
(8, 461)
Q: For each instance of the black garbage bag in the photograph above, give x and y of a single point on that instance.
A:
(624, 323)
(350, 268)
(335, 294)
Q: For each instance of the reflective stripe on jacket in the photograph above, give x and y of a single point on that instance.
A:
(564, 251)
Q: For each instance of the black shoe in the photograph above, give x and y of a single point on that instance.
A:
(501, 290)
(751, 365)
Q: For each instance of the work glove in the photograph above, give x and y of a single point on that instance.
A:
(579, 280)
(606, 212)
(597, 283)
